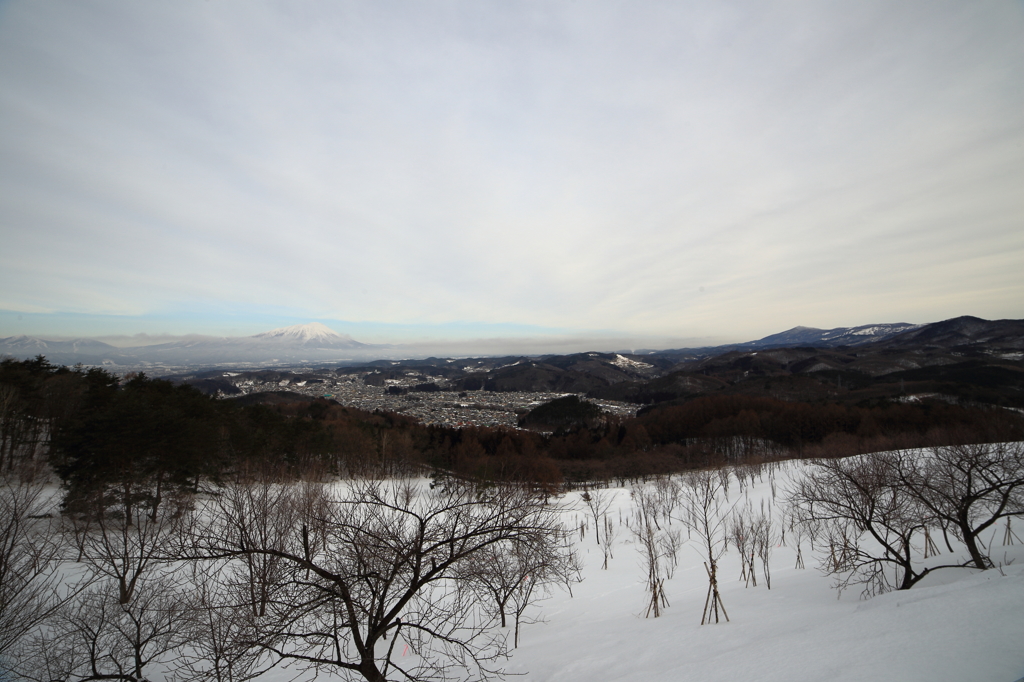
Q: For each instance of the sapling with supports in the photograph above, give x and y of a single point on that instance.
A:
(598, 502)
(742, 539)
(798, 533)
(647, 542)
(763, 532)
(607, 540)
(706, 517)
(1009, 535)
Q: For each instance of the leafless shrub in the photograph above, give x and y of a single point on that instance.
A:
(858, 509)
(30, 548)
(378, 579)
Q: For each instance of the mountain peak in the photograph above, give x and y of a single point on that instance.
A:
(314, 331)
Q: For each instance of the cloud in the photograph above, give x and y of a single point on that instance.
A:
(668, 169)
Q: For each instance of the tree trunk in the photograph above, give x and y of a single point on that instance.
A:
(368, 669)
(971, 540)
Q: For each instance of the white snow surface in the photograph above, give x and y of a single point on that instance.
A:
(624, 362)
(956, 625)
(314, 331)
(969, 629)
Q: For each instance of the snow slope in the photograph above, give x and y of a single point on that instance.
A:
(957, 625)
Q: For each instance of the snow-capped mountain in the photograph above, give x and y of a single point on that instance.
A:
(313, 342)
(840, 336)
(966, 332)
(85, 351)
(312, 333)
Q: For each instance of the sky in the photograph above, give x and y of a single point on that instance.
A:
(650, 172)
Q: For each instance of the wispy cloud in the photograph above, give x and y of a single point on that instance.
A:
(669, 169)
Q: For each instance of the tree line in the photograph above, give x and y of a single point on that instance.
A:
(137, 436)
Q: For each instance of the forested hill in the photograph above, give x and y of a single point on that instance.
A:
(965, 360)
(99, 431)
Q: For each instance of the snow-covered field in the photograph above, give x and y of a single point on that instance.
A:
(956, 625)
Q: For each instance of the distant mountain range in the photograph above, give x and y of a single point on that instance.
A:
(831, 338)
(316, 343)
(304, 343)
(966, 360)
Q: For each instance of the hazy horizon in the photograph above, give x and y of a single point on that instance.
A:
(426, 345)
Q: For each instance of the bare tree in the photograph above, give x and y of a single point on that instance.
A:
(667, 495)
(512, 576)
(867, 519)
(220, 634)
(799, 530)
(742, 535)
(764, 537)
(651, 552)
(598, 502)
(22, 433)
(375, 578)
(725, 473)
(966, 488)
(648, 506)
(12, 422)
(133, 613)
(658, 547)
(706, 516)
(95, 637)
(130, 544)
(670, 541)
(261, 514)
(30, 548)
(608, 541)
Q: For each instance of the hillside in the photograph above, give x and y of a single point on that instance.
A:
(965, 359)
(958, 626)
